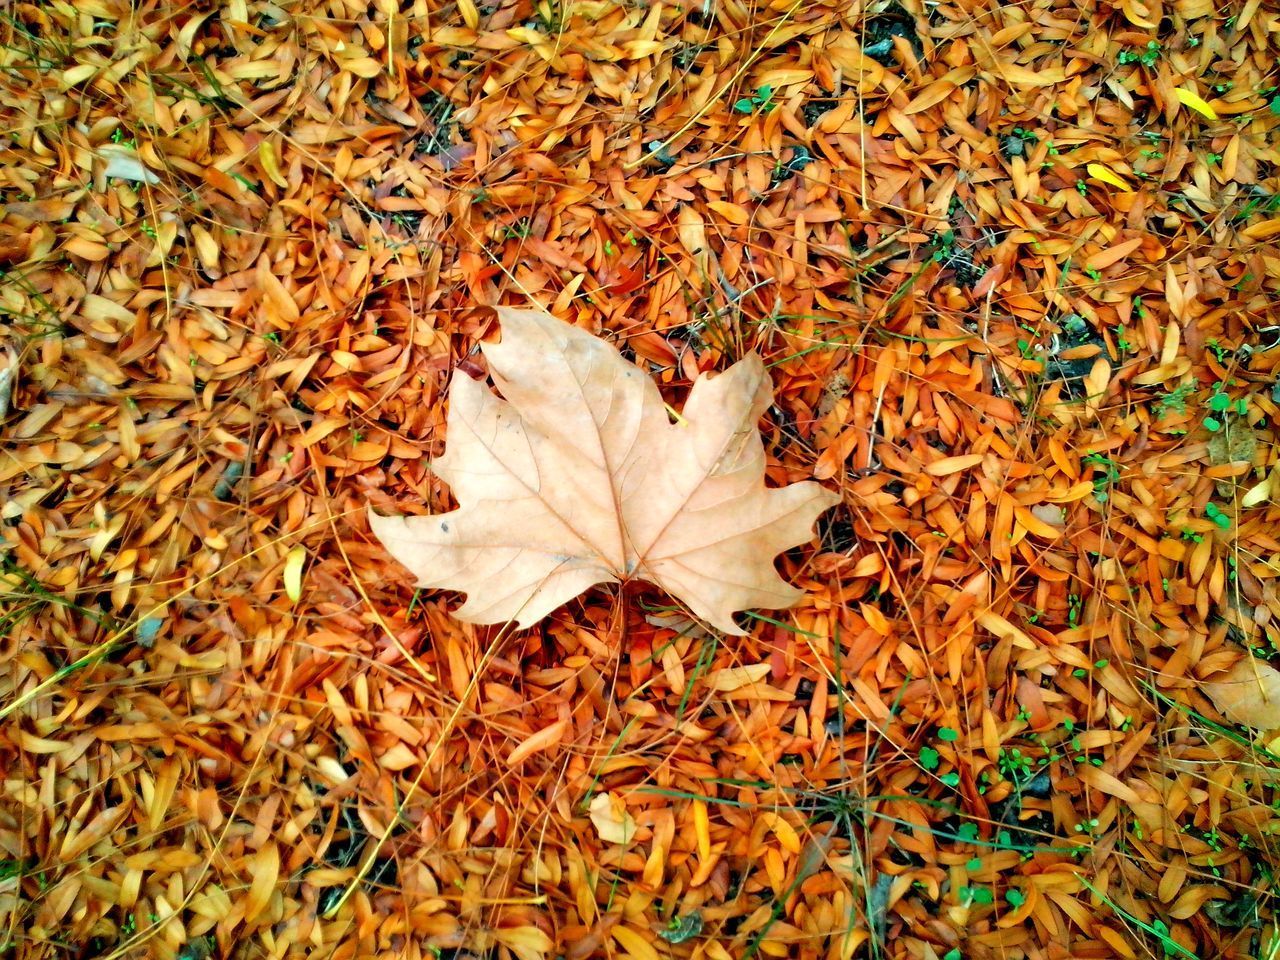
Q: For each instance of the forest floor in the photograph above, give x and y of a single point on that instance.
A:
(1012, 268)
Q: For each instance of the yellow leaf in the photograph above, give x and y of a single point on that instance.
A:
(1262, 230)
(1002, 628)
(263, 868)
(1189, 99)
(634, 944)
(293, 572)
(78, 74)
(527, 942)
(1035, 526)
(702, 829)
(207, 248)
(1100, 171)
(785, 833)
(270, 164)
(470, 13)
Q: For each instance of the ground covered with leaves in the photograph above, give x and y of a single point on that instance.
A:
(1011, 268)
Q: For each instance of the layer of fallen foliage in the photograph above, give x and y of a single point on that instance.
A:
(1011, 267)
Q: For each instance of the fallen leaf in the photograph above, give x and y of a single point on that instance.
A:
(611, 819)
(124, 164)
(734, 678)
(949, 465)
(1258, 494)
(271, 163)
(578, 477)
(1104, 173)
(541, 740)
(635, 945)
(525, 942)
(1248, 693)
(293, 573)
(1193, 100)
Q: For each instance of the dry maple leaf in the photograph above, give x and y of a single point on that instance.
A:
(576, 476)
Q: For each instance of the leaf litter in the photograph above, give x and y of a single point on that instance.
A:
(1004, 264)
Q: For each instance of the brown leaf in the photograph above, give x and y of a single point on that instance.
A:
(578, 477)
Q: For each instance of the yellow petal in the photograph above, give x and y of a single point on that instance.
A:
(293, 572)
(1100, 171)
(1189, 99)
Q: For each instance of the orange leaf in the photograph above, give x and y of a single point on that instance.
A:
(1105, 258)
(730, 211)
(950, 465)
(546, 737)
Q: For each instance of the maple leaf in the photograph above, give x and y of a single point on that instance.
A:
(576, 476)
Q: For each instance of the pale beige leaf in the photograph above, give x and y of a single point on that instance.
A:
(578, 477)
(734, 678)
(693, 234)
(611, 819)
(1248, 693)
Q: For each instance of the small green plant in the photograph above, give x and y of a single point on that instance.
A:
(1220, 353)
(761, 100)
(1074, 605)
(1213, 512)
(978, 895)
(1105, 472)
(1087, 826)
(118, 136)
(1015, 766)
(1147, 56)
(518, 230)
(1221, 407)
